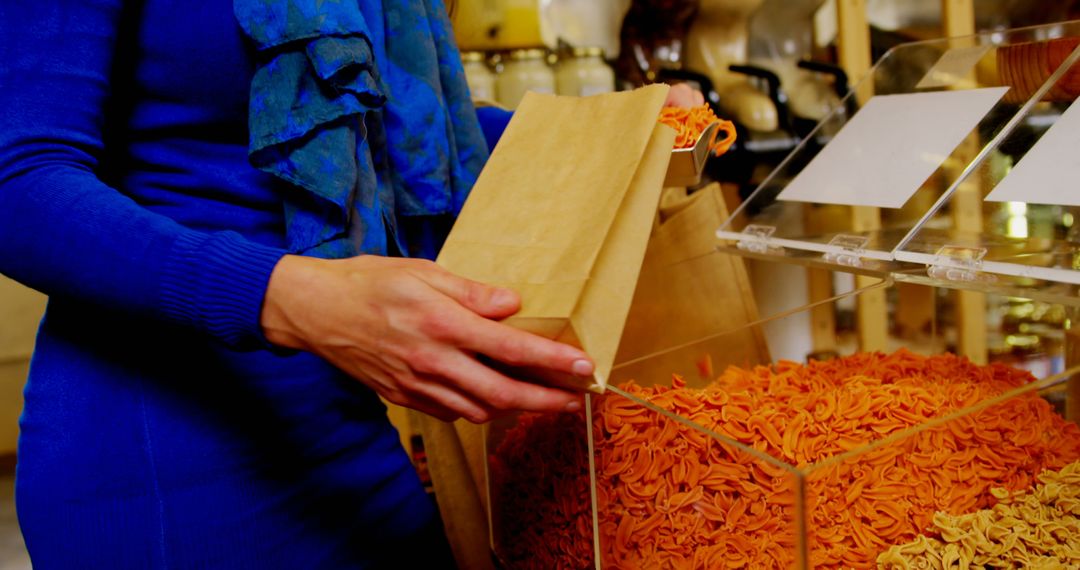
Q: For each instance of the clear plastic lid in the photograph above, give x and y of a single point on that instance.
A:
(883, 175)
(1021, 193)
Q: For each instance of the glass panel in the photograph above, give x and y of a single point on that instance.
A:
(937, 491)
(674, 492)
(538, 491)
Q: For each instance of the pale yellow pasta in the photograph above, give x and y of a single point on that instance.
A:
(1036, 529)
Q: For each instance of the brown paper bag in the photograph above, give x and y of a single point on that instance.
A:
(562, 213)
(688, 292)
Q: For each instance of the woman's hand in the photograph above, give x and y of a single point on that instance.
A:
(412, 332)
(683, 95)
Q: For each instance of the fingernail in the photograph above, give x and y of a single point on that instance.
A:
(582, 368)
(503, 297)
(573, 406)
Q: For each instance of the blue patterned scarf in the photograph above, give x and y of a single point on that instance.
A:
(362, 105)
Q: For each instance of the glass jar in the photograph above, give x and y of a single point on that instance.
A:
(525, 70)
(584, 74)
(479, 77)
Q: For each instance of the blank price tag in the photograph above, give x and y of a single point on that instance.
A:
(1050, 171)
(889, 148)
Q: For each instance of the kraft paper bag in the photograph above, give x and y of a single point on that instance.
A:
(690, 296)
(562, 214)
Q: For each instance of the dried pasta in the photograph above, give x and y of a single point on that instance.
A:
(690, 122)
(670, 496)
(1039, 528)
(540, 482)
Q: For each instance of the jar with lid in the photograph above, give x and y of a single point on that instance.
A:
(584, 74)
(525, 70)
(480, 79)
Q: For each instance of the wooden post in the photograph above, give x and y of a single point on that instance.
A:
(958, 19)
(822, 317)
(872, 313)
(1072, 358)
(853, 38)
(916, 312)
(819, 282)
(853, 43)
(970, 305)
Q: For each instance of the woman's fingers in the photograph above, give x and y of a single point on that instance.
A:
(430, 408)
(400, 383)
(500, 342)
(452, 399)
(683, 95)
(485, 300)
(518, 348)
(424, 393)
(502, 393)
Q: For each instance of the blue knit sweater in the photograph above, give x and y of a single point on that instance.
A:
(159, 431)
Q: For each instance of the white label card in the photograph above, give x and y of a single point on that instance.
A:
(953, 67)
(1050, 171)
(890, 147)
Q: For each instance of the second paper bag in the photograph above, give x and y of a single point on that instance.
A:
(562, 213)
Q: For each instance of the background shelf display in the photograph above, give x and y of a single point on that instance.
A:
(1025, 188)
(932, 360)
(912, 144)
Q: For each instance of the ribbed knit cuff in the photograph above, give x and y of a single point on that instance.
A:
(216, 283)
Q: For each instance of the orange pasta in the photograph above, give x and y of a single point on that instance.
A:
(691, 122)
(1037, 528)
(670, 496)
(540, 480)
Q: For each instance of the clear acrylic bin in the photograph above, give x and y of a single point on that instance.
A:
(783, 465)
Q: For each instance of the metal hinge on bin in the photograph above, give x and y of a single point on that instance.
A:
(758, 239)
(851, 250)
(959, 263)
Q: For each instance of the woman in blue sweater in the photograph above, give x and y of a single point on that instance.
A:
(195, 185)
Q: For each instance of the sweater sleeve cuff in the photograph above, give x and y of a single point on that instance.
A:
(216, 282)
(493, 122)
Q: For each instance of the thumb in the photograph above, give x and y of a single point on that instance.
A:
(485, 300)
